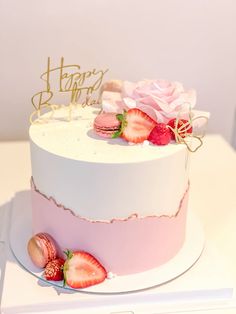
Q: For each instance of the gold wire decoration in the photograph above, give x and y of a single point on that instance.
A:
(182, 136)
(71, 80)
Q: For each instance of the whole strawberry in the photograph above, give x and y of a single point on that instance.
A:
(183, 128)
(160, 135)
(54, 270)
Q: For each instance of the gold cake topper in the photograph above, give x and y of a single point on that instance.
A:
(79, 85)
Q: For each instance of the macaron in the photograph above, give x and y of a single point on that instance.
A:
(42, 249)
(106, 124)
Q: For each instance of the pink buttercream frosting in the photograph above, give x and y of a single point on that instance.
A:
(123, 246)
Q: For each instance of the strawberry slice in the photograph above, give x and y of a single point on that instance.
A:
(82, 270)
(137, 126)
(54, 270)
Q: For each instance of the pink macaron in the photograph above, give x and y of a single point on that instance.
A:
(106, 124)
(42, 249)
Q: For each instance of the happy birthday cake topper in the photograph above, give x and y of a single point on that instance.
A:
(70, 80)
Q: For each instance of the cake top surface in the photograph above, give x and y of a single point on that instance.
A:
(76, 139)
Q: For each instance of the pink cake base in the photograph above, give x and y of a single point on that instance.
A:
(124, 246)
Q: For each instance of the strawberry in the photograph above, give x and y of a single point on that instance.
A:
(183, 128)
(82, 270)
(136, 125)
(160, 135)
(54, 270)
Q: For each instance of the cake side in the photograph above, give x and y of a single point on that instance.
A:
(122, 246)
(117, 201)
(138, 179)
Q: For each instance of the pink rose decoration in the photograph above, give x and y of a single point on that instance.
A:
(160, 99)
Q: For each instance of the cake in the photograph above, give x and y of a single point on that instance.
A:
(124, 202)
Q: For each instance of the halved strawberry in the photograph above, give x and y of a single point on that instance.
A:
(136, 125)
(54, 270)
(82, 270)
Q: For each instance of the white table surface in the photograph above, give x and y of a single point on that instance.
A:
(212, 194)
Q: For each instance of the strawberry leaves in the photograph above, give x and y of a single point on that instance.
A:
(122, 118)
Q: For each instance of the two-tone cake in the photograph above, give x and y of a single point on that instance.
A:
(121, 196)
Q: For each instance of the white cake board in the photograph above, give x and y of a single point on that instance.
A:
(205, 285)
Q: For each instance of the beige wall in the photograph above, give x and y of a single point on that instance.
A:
(193, 41)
